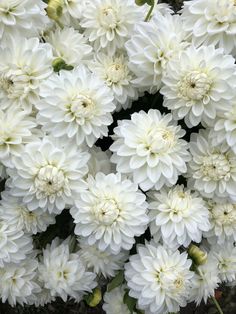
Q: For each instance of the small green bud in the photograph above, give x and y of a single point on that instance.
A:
(94, 298)
(59, 64)
(198, 256)
(54, 9)
(150, 2)
(140, 2)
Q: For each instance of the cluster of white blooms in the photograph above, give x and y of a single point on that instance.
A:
(117, 153)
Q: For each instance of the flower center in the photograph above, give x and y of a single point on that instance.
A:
(224, 214)
(82, 107)
(108, 18)
(6, 135)
(17, 86)
(50, 180)
(179, 283)
(107, 211)
(115, 73)
(195, 86)
(179, 208)
(216, 167)
(7, 84)
(160, 140)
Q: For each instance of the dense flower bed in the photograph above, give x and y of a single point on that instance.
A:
(147, 184)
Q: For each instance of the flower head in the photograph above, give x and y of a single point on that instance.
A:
(199, 84)
(211, 22)
(113, 70)
(225, 256)
(14, 211)
(101, 262)
(19, 282)
(61, 39)
(152, 46)
(48, 175)
(24, 64)
(204, 282)
(159, 279)
(16, 129)
(110, 213)
(26, 17)
(224, 129)
(109, 23)
(212, 170)
(223, 221)
(77, 105)
(178, 216)
(14, 244)
(149, 147)
(114, 303)
(63, 273)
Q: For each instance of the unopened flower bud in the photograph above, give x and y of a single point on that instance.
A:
(150, 2)
(140, 2)
(54, 9)
(59, 64)
(198, 256)
(94, 298)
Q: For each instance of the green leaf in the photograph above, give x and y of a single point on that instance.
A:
(116, 281)
(130, 302)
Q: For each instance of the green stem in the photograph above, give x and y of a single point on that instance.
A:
(217, 305)
(59, 24)
(149, 12)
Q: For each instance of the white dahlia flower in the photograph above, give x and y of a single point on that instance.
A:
(152, 46)
(18, 282)
(42, 297)
(211, 22)
(159, 279)
(14, 244)
(48, 175)
(224, 129)
(110, 213)
(101, 262)
(178, 216)
(199, 84)
(28, 17)
(225, 258)
(63, 273)
(212, 170)
(205, 281)
(113, 301)
(99, 161)
(113, 70)
(149, 147)
(69, 44)
(16, 129)
(76, 104)
(24, 64)
(222, 216)
(109, 23)
(14, 211)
